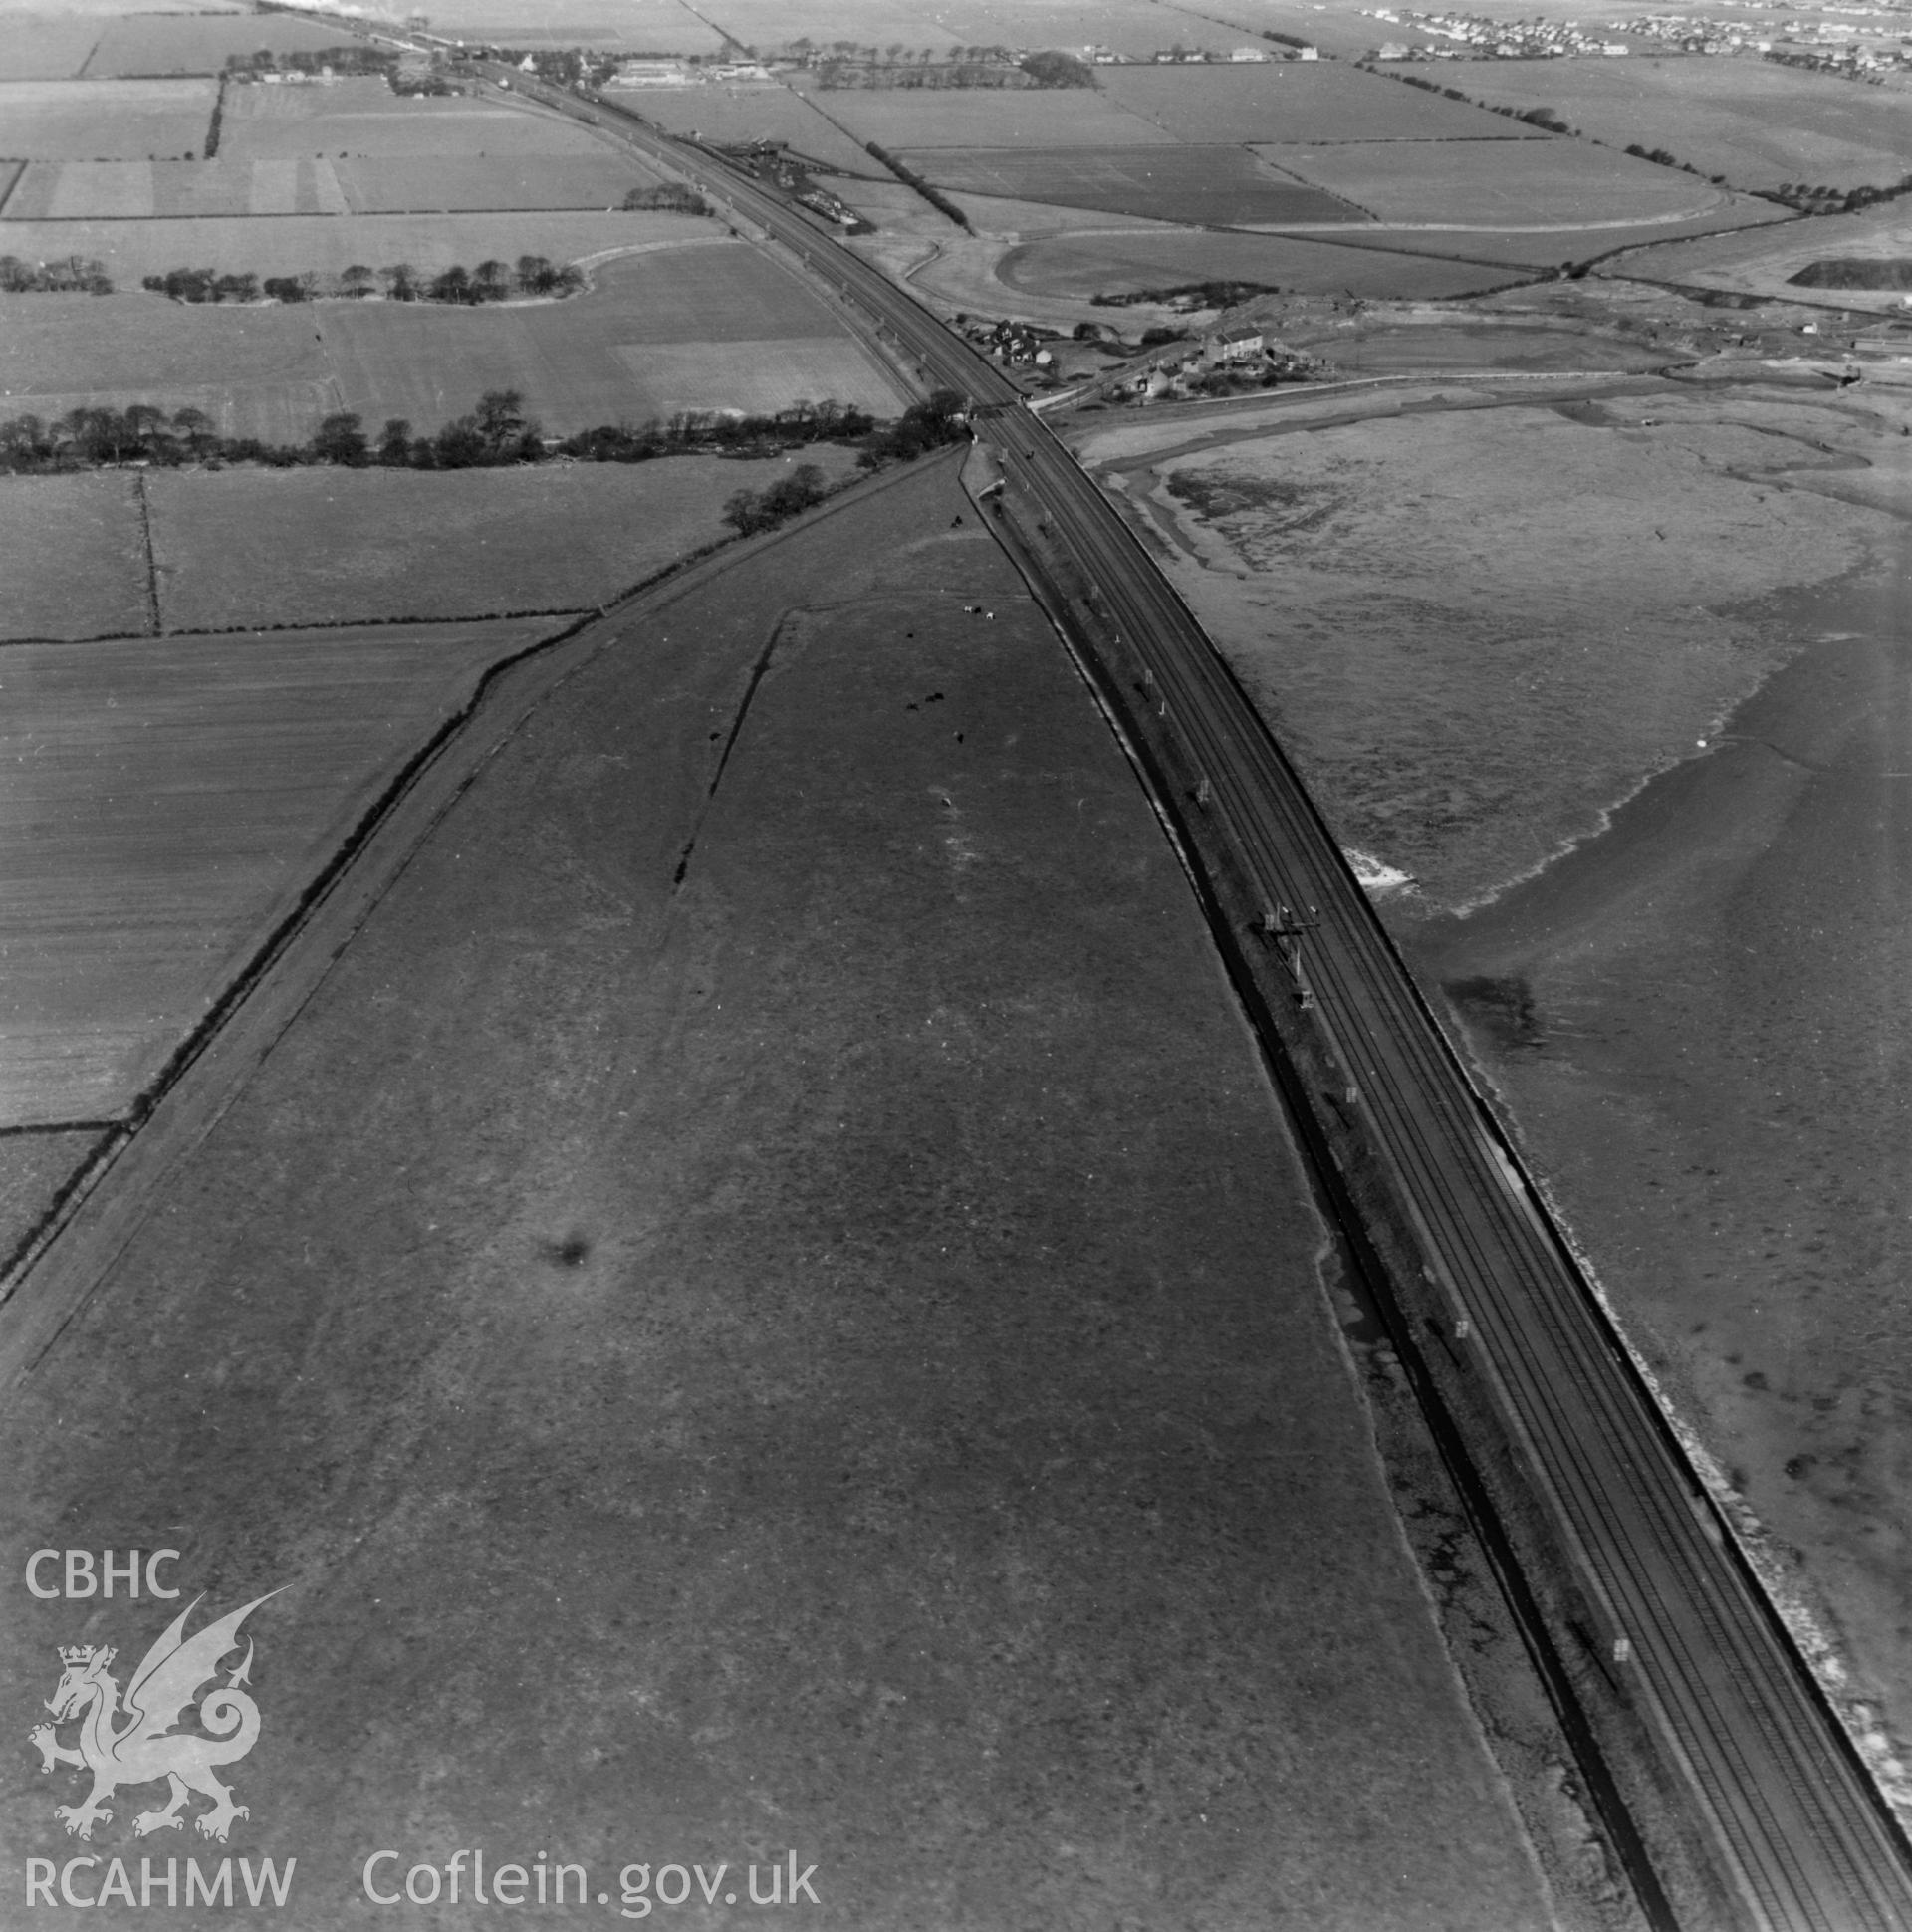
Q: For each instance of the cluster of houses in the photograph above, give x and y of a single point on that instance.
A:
(1240, 350)
(1474, 38)
(1018, 345)
(1836, 43)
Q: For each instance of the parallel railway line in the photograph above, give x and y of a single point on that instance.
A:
(1779, 1813)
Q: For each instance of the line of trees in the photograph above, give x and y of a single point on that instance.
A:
(910, 178)
(70, 275)
(496, 432)
(491, 281)
(749, 511)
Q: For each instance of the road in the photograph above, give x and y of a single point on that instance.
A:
(1790, 1827)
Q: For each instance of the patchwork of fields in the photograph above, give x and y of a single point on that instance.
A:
(1278, 102)
(1758, 124)
(1172, 182)
(319, 547)
(1498, 183)
(636, 26)
(358, 117)
(163, 803)
(1019, 117)
(325, 244)
(739, 114)
(712, 324)
(104, 120)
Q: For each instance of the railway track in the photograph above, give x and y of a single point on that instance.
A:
(1781, 1826)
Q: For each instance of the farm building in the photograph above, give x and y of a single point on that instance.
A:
(1237, 345)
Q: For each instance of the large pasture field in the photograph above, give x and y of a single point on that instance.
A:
(1302, 101)
(104, 120)
(1087, 265)
(1755, 122)
(45, 47)
(739, 114)
(710, 326)
(1497, 183)
(322, 546)
(162, 803)
(1170, 183)
(358, 117)
(325, 244)
(460, 183)
(148, 44)
(73, 556)
(1010, 117)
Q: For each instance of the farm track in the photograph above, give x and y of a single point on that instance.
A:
(1750, 1802)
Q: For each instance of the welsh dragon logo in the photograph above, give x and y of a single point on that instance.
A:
(134, 1742)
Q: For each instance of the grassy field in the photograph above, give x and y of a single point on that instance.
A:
(146, 44)
(401, 183)
(775, 1218)
(162, 801)
(738, 115)
(363, 117)
(1761, 263)
(73, 556)
(704, 328)
(1033, 117)
(45, 47)
(1499, 183)
(104, 120)
(1316, 101)
(1755, 122)
(1170, 183)
(322, 546)
(1086, 265)
(325, 244)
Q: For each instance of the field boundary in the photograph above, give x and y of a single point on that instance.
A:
(60, 1261)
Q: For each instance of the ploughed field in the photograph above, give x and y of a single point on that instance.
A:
(1085, 265)
(775, 1218)
(709, 324)
(1630, 707)
(163, 800)
(1170, 183)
